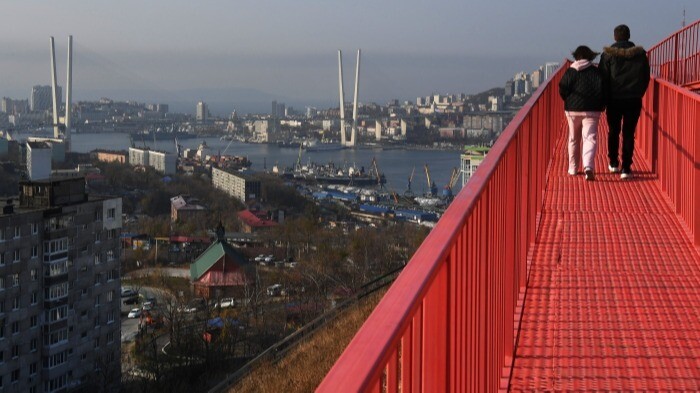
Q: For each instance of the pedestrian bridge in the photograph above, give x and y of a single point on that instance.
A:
(534, 280)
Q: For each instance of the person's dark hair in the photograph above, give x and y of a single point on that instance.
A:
(584, 52)
(622, 33)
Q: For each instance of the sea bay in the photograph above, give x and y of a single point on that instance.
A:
(396, 163)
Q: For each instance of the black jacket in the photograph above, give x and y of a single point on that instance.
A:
(582, 91)
(625, 68)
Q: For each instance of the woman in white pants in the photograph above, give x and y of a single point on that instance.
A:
(582, 89)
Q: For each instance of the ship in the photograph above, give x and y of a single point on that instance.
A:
(315, 145)
(331, 174)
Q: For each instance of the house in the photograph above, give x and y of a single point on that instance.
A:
(184, 209)
(220, 271)
(255, 221)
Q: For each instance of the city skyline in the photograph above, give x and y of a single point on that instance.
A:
(251, 54)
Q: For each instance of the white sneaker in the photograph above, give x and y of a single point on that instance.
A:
(626, 175)
(613, 169)
(572, 172)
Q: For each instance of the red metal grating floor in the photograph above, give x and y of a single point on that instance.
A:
(613, 300)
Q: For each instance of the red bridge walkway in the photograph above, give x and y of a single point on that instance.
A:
(534, 280)
(614, 289)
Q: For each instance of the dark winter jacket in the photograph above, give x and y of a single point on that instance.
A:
(582, 90)
(625, 68)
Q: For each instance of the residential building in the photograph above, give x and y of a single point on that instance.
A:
(163, 162)
(38, 160)
(138, 157)
(470, 161)
(201, 112)
(238, 185)
(111, 156)
(185, 209)
(59, 289)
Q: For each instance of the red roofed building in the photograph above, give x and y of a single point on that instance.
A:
(255, 221)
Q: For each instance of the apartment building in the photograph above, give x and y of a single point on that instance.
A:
(59, 289)
(238, 185)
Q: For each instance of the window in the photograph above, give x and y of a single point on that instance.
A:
(97, 301)
(14, 378)
(55, 360)
(110, 337)
(57, 291)
(2, 283)
(96, 322)
(16, 257)
(15, 351)
(98, 215)
(15, 303)
(35, 228)
(2, 306)
(33, 321)
(15, 327)
(56, 337)
(14, 280)
(111, 213)
(2, 258)
(32, 345)
(35, 297)
(96, 343)
(32, 368)
(97, 237)
(2, 235)
(2, 329)
(55, 384)
(83, 335)
(98, 278)
(83, 356)
(17, 232)
(110, 255)
(34, 274)
(56, 314)
(35, 251)
(110, 318)
(98, 259)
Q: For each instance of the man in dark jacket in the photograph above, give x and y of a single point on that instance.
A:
(625, 68)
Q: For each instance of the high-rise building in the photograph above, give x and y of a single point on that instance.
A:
(238, 185)
(273, 109)
(201, 112)
(59, 289)
(550, 69)
(41, 100)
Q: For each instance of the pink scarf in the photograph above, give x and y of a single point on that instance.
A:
(579, 65)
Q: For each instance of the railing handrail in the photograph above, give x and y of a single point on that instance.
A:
(677, 58)
(384, 328)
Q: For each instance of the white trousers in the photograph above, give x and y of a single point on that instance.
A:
(583, 132)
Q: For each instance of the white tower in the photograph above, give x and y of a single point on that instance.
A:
(69, 93)
(353, 136)
(342, 98)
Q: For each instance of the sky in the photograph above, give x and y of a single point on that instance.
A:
(243, 54)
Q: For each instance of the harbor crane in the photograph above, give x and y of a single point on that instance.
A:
(408, 191)
(376, 172)
(447, 192)
(431, 184)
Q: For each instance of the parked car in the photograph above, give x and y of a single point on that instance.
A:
(147, 306)
(269, 258)
(128, 292)
(226, 302)
(274, 290)
(259, 258)
(134, 313)
(131, 300)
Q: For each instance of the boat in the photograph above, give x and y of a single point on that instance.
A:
(315, 145)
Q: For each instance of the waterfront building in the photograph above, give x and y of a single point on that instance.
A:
(59, 289)
(110, 156)
(58, 147)
(38, 160)
(470, 161)
(163, 162)
(238, 185)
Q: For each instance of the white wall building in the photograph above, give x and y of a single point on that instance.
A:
(163, 162)
(38, 160)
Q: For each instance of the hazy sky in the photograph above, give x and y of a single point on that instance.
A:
(237, 53)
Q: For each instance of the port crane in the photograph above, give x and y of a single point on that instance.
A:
(376, 172)
(298, 166)
(431, 184)
(408, 191)
(447, 192)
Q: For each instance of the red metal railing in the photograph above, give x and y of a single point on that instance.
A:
(448, 322)
(668, 137)
(677, 58)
